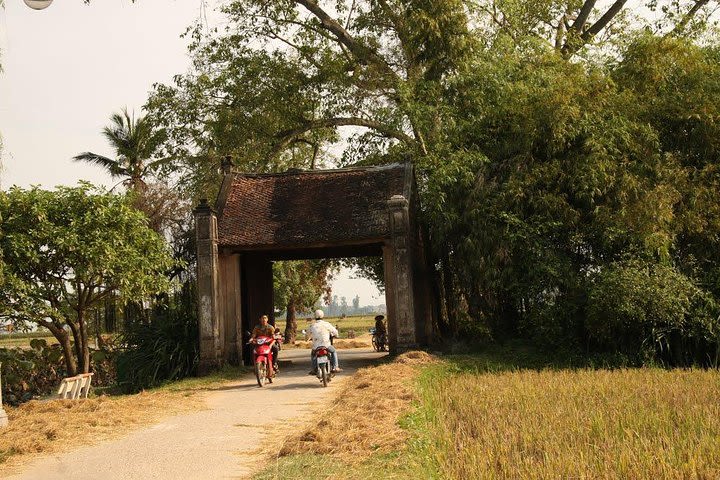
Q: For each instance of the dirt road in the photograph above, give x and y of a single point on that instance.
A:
(216, 443)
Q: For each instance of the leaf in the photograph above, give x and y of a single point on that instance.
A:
(38, 344)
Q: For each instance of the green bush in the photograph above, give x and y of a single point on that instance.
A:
(37, 371)
(653, 312)
(30, 373)
(164, 348)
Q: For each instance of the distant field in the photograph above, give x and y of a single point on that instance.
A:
(22, 340)
(360, 325)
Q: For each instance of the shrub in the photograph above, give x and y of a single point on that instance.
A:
(165, 348)
(30, 373)
(37, 371)
(653, 312)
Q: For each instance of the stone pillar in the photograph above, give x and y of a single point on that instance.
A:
(3, 415)
(399, 277)
(231, 308)
(207, 286)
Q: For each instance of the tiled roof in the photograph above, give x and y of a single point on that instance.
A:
(303, 208)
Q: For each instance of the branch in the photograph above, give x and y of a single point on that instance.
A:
(604, 20)
(299, 49)
(287, 137)
(583, 15)
(680, 27)
(574, 44)
(361, 52)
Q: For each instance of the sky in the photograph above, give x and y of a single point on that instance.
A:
(69, 67)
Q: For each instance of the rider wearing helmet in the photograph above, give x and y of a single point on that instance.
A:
(320, 332)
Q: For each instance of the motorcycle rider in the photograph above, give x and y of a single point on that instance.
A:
(381, 330)
(320, 332)
(264, 329)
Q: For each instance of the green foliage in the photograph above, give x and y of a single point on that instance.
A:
(551, 140)
(165, 348)
(65, 251)
(30, 373)
(300, 283)
(653, 311)
(558, 171)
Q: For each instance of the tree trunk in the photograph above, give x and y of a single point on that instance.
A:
(99, 342)
(110, 314)
(450, 297)
(78, 343)
(84, 354)
(290, 323)
(64, 340)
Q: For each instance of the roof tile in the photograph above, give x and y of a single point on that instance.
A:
(299, 209)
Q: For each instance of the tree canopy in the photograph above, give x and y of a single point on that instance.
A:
(561, 148)
(297, 286)
(67, 250)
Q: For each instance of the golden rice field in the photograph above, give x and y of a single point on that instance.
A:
(503, 415)
(583, 424)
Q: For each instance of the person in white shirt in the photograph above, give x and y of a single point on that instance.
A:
(320, 332)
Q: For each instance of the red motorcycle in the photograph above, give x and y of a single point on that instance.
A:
(263, 359)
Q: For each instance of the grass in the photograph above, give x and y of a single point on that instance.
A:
(512, 413)
(641, 423)
(43, 427)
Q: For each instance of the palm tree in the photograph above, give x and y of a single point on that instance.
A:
(135, 142)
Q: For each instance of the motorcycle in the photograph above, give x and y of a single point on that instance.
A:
(323, 372)
(263, 359)
(379, 340)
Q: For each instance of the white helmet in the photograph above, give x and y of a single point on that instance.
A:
(319, 314)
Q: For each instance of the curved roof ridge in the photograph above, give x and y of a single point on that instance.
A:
(319, 171)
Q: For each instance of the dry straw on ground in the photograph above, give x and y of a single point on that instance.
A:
(43, 427)
(363, 419)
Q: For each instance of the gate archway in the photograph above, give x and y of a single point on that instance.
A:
(259, 218)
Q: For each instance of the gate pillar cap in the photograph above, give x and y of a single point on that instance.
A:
(397, 201)
(203, 208)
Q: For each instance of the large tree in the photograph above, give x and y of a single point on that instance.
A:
(547, 150)
(287, 78)
(65, 251)
(298, 284)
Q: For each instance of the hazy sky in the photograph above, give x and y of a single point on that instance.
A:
(68, 67)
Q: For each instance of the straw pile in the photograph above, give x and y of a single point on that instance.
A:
(53, 426)
(364, 417)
